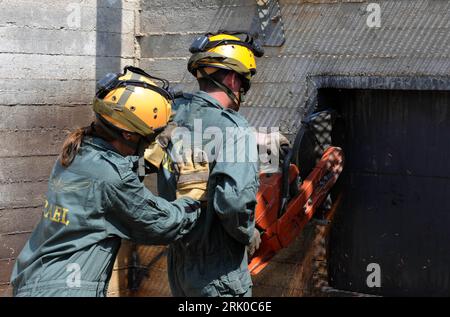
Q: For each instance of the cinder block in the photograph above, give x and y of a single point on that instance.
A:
(174, 69)
(36, 66)
(19, 220)
(58, 67)
(198, 19)
(166, 45)
(63, 15)
(105, 64)
(88, 3)
(26, 169)
(116, 20)
(33, 142)
(114, 44)
(6, 267)
(46, 92)
(12, 244)
(65, 42)
(45, 117)
(42, 41)
(148, 5)
(25, 195)
(123, 4)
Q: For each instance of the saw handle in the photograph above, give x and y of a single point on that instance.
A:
(285, 182)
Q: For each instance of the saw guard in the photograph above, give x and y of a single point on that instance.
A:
(278, 232)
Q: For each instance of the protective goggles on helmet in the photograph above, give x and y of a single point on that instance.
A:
(203, 44)
(111, 81)
(116, 117)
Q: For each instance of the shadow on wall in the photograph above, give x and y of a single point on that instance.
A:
(108, 59)
(108, 40)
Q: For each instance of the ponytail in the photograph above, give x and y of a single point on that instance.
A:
(72, 145)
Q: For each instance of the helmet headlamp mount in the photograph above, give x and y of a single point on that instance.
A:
(202, 43)
(111, 81)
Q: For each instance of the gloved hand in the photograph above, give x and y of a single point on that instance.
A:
(163, 139)
(285, 146)
(255, 241)
(193, 173)
(280, 142)
(155, 152)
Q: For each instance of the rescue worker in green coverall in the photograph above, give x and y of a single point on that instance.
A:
(95, 197)
(212, 260)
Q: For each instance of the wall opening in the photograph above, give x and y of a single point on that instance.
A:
(394, 209)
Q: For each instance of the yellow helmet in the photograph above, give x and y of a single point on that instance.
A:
(226, 51)
(133, 102)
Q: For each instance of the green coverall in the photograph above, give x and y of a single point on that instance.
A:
(90, 206)
(212, 260)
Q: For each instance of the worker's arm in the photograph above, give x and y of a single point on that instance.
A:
(133, 212)
(235, 185)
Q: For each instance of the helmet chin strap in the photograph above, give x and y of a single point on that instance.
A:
(236, 100)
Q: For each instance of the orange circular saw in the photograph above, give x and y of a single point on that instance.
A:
(286, 201)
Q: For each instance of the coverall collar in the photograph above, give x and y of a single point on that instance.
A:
(210, 100)
(99, 142)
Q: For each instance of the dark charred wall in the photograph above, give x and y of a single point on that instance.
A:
(395, 211)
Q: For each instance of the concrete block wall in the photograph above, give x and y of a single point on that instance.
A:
(51, 54)
(323, 37)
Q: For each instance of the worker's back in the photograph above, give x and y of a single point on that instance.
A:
(212, 260)
(69, 252)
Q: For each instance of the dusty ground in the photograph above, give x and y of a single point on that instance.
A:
(299, 270)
